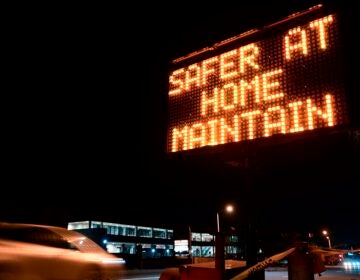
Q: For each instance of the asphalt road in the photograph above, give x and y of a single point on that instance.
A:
(332, 273)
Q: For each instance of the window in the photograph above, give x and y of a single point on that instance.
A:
(144, 232)
(159, 233)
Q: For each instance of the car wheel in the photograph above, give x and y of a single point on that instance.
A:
(7, 276)
(92, 273)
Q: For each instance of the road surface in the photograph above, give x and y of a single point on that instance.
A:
(332, 273)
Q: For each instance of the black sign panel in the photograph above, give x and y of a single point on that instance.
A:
(288, 81)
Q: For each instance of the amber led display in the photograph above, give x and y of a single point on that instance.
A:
(288, 82)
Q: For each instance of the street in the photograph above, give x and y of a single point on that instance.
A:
(332, 273)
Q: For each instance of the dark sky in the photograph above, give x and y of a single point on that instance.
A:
(86, 127)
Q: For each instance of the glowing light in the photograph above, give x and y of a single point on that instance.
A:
(296, 42)
(229, 208)
(254, 124)
(227, 65)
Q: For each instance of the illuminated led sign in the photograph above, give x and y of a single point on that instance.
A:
(288, 81)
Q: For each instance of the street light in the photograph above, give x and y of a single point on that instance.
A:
(326, 234)
(229, 209)
(220, 244)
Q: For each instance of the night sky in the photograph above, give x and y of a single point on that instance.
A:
(86, 127)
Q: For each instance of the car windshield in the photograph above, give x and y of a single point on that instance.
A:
(50, 236)
(81, 242)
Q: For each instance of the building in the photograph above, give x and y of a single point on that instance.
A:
(128, 239)
(153, 242)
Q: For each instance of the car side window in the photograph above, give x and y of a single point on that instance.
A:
(39, 236)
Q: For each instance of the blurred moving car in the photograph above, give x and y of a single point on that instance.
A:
(352, 261)
(41, 252)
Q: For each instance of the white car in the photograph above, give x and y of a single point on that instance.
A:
(41, 252)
